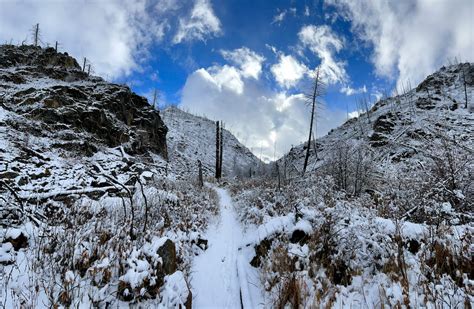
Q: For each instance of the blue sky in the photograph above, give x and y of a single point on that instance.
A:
(249, 63)
(252, 24)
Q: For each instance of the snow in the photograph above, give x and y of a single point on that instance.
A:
(13, 233)
(6, 253)
(221, 274)
(303, 225)
(271, 227)
(175, 291)
(191, 138)
(93, 225)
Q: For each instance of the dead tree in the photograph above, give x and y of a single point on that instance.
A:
(36, 34)
(200, 179)
(278, 175)
(366, 101)
(217, 149)
(145, 201)
(315, 94)
(221, 148)
(84, 65)
(465, 89)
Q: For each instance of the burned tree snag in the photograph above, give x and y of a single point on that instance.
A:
(200, 179)
(217, 149)
(221, 149)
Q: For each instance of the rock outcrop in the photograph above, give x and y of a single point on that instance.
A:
(82, 111)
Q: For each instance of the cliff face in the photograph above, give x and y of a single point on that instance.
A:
(79, 112)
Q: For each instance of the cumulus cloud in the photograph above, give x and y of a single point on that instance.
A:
(114, 35)
(201, 23)
(222, 77)
(250, 62)
(288, 71)
(348, 90)
(266, 121)
(412, 38)
(106, 32)
(324, 43)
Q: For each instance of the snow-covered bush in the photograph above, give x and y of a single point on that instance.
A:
(316, 246)
(90, 258)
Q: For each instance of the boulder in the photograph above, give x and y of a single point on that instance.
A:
(168, 254)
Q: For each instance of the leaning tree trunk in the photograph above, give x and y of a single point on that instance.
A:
(311, 123)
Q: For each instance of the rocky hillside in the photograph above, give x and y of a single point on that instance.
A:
(90, 215)
(421, 128)
(384, 215)
(77, 111)
(191, 138)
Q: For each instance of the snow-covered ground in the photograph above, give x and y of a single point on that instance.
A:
(221, 276)
(383, 217)
(191, 138)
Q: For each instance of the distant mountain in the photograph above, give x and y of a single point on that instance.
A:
(191, 138)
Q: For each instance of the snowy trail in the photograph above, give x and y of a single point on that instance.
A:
(215, 273)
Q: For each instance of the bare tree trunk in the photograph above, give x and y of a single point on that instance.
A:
(36, 34)
(84, 65)
(146, 203)
(200, 180)
(316, 82)
(278, 172)
(217, 150)
(221, 148)
(465, 90)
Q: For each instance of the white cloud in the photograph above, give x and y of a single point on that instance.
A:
(288, 71)
(277, 19)
(109, 33)
(324, 43)
(377, 94)
(306, 11)
(114, 35)
(259, 116)
(250, 63)
(412, 38)
(348, 90)
(354, 114)
(223, 77)
(201, 23)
